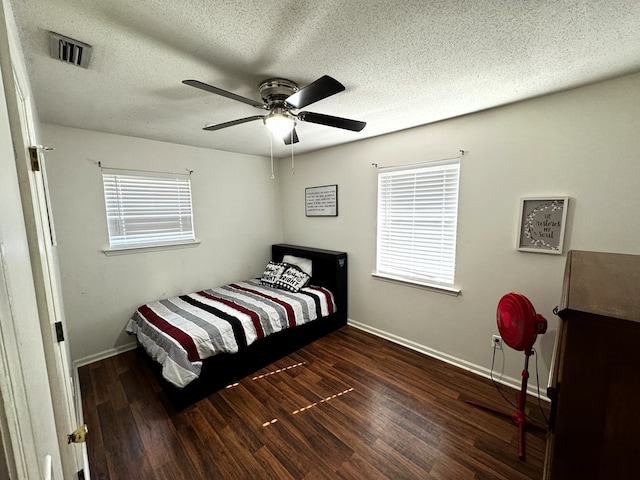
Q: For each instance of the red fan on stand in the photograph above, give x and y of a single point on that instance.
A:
(519, 326)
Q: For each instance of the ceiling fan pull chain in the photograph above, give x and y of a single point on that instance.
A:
(271, 142)
(293, 167)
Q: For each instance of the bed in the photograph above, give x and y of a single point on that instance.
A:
(203, 341)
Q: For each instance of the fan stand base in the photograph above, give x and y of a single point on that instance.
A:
(519, 417)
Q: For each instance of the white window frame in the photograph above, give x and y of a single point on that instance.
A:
(417, 224)
(147, 210)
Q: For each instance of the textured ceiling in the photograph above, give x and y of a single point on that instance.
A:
(403, 63)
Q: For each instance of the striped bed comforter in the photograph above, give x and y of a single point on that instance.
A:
(182, 331)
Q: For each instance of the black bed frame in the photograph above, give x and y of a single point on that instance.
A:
(329, 270)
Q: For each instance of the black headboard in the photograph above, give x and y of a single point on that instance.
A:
(329, 269)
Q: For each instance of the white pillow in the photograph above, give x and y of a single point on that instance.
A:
(304, 264)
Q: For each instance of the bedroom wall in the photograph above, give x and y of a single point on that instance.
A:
(583, 143)
(237, 216)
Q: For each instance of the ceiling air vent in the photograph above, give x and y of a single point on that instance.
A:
(69, 50)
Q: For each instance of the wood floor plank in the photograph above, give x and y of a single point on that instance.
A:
(349, 406)
(357, 468)
(286, 447)
(236, 408)
(160, 439)
(171, 471)
(273, 469)
(446, 467)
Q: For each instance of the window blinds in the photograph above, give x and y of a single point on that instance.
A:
(417, 222)
(147, 208)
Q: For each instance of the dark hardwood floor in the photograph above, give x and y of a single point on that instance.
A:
(349, 406)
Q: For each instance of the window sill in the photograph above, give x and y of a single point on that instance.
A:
(169, 246)
(411, 283)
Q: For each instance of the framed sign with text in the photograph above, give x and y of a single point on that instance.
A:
(321, 201)
(542, 223)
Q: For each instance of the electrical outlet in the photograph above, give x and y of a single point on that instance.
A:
(496, 342)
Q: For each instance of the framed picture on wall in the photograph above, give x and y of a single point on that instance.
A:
(321, 201)
(542, 223)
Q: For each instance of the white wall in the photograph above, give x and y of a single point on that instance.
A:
(237, 217)
(583, 143)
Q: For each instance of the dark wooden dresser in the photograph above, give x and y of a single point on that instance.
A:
(594, 383)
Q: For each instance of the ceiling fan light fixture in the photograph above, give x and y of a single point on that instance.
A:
(280, 123)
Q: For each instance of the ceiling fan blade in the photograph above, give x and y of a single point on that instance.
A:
(218, 91)
(331, 121)
(291, 138)
(240, 121)
(322, 88)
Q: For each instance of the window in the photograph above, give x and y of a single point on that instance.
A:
(417, 220)
(146, 209)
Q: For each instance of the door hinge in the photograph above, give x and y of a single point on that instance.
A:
(59, 331)
(35, 159)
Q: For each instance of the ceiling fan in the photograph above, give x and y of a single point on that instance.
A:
(280, 97)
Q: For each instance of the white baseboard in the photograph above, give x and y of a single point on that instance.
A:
(81, 362)
(450, 359)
